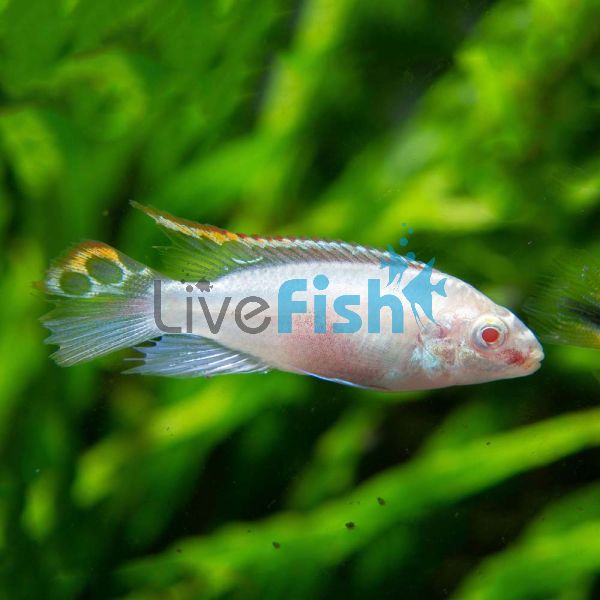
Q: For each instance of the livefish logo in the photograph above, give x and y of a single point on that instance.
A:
(294, 298)
(203, 285)
(213, 320)
(419, 292)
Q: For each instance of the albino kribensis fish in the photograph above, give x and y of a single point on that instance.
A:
(244, 304)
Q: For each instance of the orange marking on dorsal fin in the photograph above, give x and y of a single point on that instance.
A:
(218, 235)
(187, 227)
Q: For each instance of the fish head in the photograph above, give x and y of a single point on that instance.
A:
(475, 340)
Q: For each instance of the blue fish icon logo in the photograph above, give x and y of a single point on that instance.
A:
(419, 292)
(396, 264)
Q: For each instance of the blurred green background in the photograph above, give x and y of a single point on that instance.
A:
(475, 122)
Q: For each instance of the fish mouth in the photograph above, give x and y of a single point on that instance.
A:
(534, 359)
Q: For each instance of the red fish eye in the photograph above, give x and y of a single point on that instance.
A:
(490, 335)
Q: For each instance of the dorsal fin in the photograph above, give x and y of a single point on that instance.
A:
(204, 251)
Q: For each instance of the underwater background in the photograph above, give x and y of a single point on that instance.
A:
(477, 123)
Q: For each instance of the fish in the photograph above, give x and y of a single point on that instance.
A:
(228, 303)
(566, 306)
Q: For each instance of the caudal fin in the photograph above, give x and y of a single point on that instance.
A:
(103, 302)
(566, 309)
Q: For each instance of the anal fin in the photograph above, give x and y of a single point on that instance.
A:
(186, 355)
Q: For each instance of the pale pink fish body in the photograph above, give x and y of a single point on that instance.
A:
(422, 356)
(472, 340)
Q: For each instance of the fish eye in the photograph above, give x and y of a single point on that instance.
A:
(490, 334)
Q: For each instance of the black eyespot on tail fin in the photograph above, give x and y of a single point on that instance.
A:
(103, 302)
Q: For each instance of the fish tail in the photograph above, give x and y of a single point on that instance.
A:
(439, 287)
(103, 302)
(566, 308)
